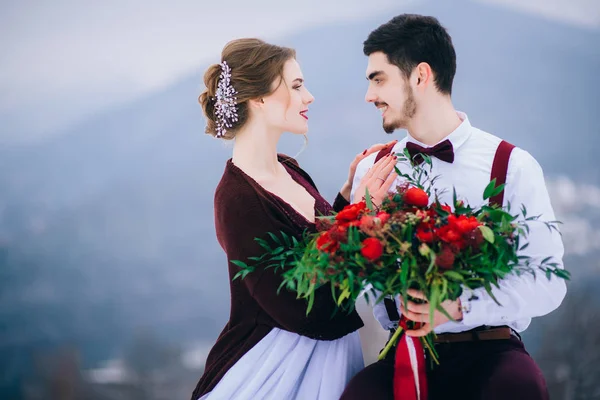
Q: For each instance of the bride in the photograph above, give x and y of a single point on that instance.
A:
(270, 348)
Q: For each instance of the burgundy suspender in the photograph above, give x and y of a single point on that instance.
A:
(500, 169)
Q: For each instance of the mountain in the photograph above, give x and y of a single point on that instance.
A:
(108, 227)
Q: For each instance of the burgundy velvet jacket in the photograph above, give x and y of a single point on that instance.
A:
(243, 211)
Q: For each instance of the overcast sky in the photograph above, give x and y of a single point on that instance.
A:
(66, 59)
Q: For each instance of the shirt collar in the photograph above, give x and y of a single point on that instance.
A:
(458, 137)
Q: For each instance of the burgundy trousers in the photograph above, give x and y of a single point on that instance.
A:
(486, 370)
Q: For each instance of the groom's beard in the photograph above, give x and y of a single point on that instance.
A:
(408, 111)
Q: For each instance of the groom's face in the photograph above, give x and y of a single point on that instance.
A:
(389, 90)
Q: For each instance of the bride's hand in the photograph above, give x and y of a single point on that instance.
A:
(378, 180)
(347, 188)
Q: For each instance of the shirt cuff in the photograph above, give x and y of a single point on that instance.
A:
(339, 203)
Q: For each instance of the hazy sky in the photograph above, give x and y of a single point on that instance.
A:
(62, 60)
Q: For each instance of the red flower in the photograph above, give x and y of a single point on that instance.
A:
(326, 244)
(323, 224)
(424, 234)
(449, 234)
(416, 197)
(383, 217)
(462, 223)
(445, 259)
(351, 212)
(372, 249)
(367, 221)
(338, 233)
(474, 238)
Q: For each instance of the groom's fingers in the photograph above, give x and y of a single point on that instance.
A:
(416, 294)
(417, 308)
(415, 317)
(424, 330)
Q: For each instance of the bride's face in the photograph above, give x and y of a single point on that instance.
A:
(286, 109)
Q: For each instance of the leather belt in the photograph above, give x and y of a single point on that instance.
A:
(496, 333)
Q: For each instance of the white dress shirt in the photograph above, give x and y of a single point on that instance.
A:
(521, 297)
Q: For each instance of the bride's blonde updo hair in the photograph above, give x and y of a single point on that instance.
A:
(254, 65)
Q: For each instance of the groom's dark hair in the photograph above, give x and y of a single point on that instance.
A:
(410, 39)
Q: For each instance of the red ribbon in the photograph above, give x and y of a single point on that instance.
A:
(410, 376)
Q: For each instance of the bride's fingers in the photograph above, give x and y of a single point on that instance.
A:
(384, 169)
(388, 167)
(387, 184)
(378, 147)
(375, 148)
(376, 167)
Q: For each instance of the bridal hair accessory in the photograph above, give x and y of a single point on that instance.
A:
(225, 106)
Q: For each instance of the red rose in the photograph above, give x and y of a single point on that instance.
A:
(424, 234)
(367, 221)
(445, 259)
(462, 223)
(448, 234)
(416, 197)
(338, 233)
(372, 249)
(383, 217)
(326, 244)
(351, 212)
(323, 224)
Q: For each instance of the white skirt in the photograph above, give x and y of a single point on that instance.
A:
(285, 365)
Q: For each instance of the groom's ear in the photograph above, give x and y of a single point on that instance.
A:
(423, 75)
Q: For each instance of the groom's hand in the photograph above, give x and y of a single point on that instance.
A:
(420, 313)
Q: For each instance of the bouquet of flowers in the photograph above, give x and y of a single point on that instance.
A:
(410, 241)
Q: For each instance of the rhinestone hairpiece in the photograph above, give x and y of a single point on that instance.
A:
(225, 106)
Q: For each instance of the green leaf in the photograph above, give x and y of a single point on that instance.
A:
(488, 289)
(368, 199)
(345, 294)
(263, 243)
(240, 264)
(488, 234)
(275, 238)
(489, 189)
(311, 300)
(497, 190)
(444, 294)
(278, 250)
(434, 302)
(454, 275)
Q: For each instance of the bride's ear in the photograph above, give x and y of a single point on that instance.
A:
(257, 103)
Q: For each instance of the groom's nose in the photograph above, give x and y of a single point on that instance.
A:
(370, 97)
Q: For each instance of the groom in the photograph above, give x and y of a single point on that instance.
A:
(411, 67)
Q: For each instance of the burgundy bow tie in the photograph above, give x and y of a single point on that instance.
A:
(444, 151)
